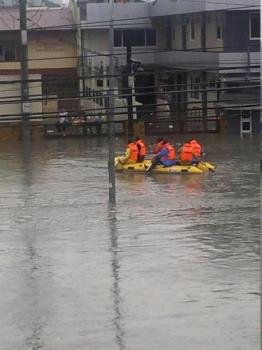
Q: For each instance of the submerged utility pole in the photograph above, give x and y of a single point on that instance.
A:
(25, 104)
(111, 107)
(129, 90)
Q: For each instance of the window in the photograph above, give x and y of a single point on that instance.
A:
(192, 28)
(174, 33)
(83, 12)
(8, 52)
(118, 38)
(218, 27)
(150, 37)
(136, 37)
(254, 25)
(195, 84)
(99, 83)
(211, 83)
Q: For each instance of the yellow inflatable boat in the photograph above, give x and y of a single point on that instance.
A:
(202, 167)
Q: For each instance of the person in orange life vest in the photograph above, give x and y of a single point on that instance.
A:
(158, 145)
(165, 156)
(197, 150)
(186, 153)
(130, 155)
(141, 149)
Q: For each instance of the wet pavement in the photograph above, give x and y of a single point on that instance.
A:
(175, 265)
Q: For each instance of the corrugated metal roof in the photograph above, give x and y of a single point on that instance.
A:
(39, 18)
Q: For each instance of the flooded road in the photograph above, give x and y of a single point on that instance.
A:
(175, 265)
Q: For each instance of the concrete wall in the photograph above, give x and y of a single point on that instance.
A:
(13, 131)
(196, 43)
(236, 32)
(96, 39)
(212, 43)
(55, 44)
(135, 14)
(172, 7)
(233, 121)
(176, 30)
(11, 95)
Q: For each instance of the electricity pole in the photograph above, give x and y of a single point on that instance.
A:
(129, 90)
(25, 104)
(111, 107)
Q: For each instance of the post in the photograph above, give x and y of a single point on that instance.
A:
(25, 104)
(204, 99)
(82, 81)
(129, 91)
(111, 125)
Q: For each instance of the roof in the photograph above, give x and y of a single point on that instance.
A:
(37, 18)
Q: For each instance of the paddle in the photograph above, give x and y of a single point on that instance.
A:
(117, 161)
(207, 165)
(150, 167)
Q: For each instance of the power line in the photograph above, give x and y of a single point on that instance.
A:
(155, 51)
(64, 80)
(86, 25)
(51, 115)
(40, 98)
(148, 87)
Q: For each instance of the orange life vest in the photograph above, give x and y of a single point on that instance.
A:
(171, 151)
(196, 148)
(186, 152)
(158, 147)
(142, 151)
(133, 151)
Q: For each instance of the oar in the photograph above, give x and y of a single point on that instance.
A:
(207, 165)
(117, 161)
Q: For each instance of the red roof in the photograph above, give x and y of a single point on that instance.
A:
(40, 18)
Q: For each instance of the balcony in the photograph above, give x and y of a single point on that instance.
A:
(129, 14)
(174, 7)
(209, 60)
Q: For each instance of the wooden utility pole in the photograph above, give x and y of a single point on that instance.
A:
(25, 104)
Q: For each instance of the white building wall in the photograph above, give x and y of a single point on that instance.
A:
(212, 43)
(196, 42)
(96, 39)
(176, 25)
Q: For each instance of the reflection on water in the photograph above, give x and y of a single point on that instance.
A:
(175, 265)
(116, 279)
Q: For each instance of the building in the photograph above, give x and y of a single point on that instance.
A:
(94, 32)
(199, 61)
(214, 50)
(52, 62)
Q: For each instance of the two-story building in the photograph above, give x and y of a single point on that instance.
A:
(52, 61)
(95, 46)
(213, 50)
(201, 58)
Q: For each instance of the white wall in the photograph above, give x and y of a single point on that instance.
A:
(176, 25)
(211, 34)
(196, 43)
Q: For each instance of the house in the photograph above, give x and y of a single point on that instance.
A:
(213, 49)
(199, 60)
(52, 62)
(95, 47)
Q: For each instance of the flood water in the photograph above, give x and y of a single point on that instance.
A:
(174, 266)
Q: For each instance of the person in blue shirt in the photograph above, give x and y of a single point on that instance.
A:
(165, 156)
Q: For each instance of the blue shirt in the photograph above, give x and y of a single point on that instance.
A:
(164, 152)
